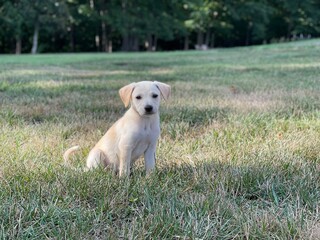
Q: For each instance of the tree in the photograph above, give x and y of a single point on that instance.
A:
(295, 16)
(251, 17)
(133, 25)
(13, 15)
(206, 18)
(42, 14)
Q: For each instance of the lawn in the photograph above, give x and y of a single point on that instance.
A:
(238, 156)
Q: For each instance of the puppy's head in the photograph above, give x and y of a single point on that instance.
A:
(145, 96)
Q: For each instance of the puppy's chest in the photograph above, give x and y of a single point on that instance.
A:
(144, 138)
(143, 141)
(147, 132)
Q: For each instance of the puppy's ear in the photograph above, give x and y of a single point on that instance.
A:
(125, 93)
(165, 89)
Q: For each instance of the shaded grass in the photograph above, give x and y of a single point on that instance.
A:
(237, 159)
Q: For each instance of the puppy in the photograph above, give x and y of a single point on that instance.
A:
(133, 135)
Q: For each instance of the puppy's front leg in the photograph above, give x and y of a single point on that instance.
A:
(150, 158)
(125, 161)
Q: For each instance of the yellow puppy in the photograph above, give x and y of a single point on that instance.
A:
(133, 135)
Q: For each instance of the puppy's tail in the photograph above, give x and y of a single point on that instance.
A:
(68, 152)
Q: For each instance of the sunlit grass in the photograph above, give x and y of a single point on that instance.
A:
(238, 156)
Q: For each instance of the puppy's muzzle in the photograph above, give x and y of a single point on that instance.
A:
(148, 109)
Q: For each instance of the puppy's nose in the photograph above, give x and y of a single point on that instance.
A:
(148, 108)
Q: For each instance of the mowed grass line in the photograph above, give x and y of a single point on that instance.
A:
(238, 156)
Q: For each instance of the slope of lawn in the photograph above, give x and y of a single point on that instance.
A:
(238, 157)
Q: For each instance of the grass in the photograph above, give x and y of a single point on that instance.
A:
(238, 156)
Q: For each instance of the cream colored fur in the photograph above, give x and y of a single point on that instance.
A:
(133, 135)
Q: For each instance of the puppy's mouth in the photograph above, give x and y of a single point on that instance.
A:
(149, 113)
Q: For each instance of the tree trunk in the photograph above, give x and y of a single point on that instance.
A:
(199, 38)
(18, 44)
(104, 39)
(155, 44)
(125, 42)
(208, 37)
(72, 38)
(97, 40)
(248, 33)
(125, 36)
(247, 36)
(130, 43)
(110, 46)
(35, 39)
(135, 44)
(289, 30)
(152, 43)
(213, 38)
(186, 43)
(149, 48)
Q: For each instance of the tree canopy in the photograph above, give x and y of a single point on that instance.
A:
(33, 26)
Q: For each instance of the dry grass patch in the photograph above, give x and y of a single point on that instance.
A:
(237, 159)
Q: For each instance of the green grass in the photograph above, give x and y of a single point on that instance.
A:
(238, 156)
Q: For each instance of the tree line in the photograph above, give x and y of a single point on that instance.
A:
(149, 25)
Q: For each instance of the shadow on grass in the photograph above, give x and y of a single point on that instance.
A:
(166, 203)
(194, 116)
(24, 90)
(266, 183)
(52, 104)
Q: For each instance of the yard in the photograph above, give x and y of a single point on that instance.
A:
(238, 156)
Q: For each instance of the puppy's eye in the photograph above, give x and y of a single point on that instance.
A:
(154, 95)
(138, 97)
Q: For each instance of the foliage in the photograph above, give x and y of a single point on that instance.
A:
(103, 25)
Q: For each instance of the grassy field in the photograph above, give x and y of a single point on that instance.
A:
(238, 157)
